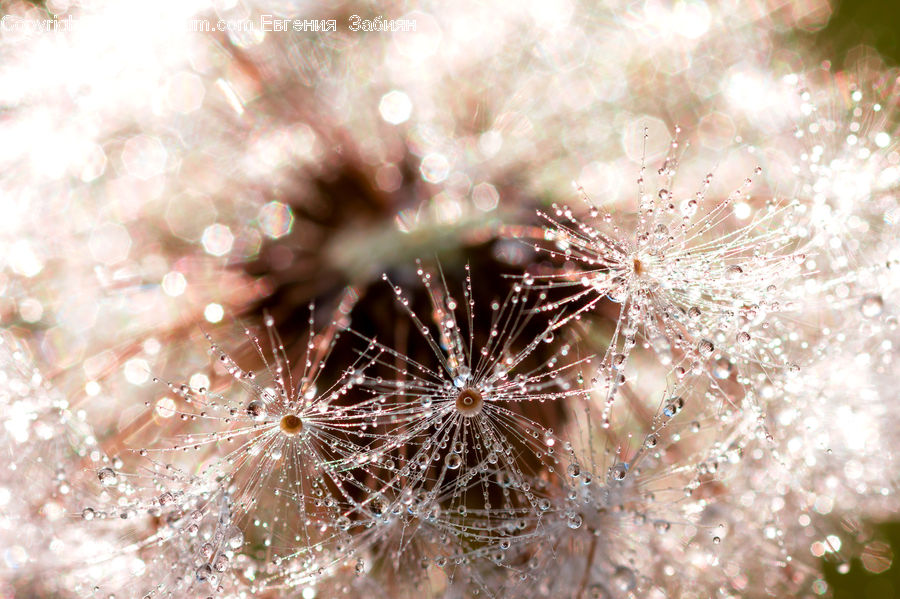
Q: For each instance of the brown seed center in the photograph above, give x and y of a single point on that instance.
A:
(469, 402)
(291, 425)
(638, 267)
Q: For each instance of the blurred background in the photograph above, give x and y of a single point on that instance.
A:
(875, 24)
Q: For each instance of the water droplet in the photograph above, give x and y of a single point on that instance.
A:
(206, 550)
(623, 578)
(618, 471)
(234, 537)
(453, 461)
(203, 573)
(462, 377)
(574, 521)
(732, 272)
(871, 306)
(107, 477)
(378, 505)
(257, 410)
(673, 406)
(500, 371)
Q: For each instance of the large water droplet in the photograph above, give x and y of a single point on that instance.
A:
(107, 477)
(234, 537)
(203, 573)
(574, 521)
(453, 461)
(871, 306)
(257, 410)
(619, 471)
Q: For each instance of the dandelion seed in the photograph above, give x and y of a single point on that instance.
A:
(677, 279)
(459, 435)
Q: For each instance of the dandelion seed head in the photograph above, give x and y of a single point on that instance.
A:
(644, 410)
(291, 425)
(469, 402)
